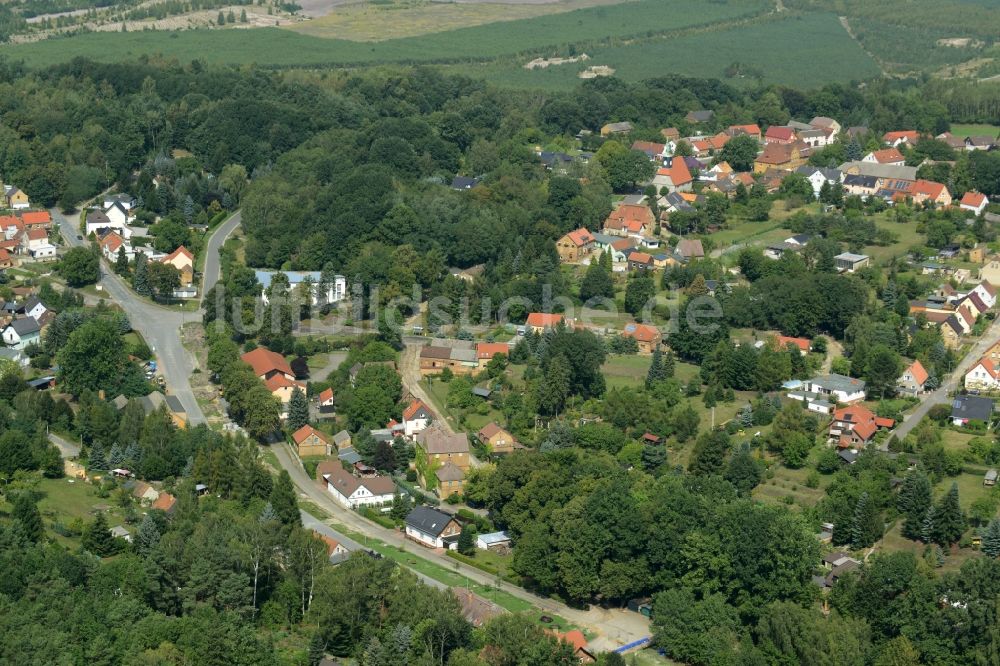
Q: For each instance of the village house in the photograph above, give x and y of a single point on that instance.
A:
(311, 442)
(324, 402)
(575, 246)
(485, 351)
(22, 332)
(913, 379)
(612, 129)
(110, 245)
(980, 142)
(896, 139)
(496, 439)
(145, 493)
(974, 202)
(183, 261)
(670, 133)
(752, 131)
(416, 417)
(537, 322)
(656, 152)
(15, 198)
(675, 178)
(437, 449)
(859, 185)
(630, 220)
(342, 441)
(848, 262)
(36, 219)
(640, 261)
(166, 503)
(924, 191)
(353, 492)
(119, 214)
(984, 375)
(267, 364)
(432, 528)
(6, 260)
(885, 156)
(778, 134)
(951, 332)
(845, 390)
(690, 248)
(853, 427)
(154, 401)
(782, 156)
(817, 176)
(971, 409)
(647, 337)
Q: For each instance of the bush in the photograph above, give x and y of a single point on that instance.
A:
(812, 481)
(829, 461)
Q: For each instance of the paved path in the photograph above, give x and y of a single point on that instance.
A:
(942, 394)
(617, 625)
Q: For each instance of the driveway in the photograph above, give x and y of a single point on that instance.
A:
(67, 449)
(213, 265)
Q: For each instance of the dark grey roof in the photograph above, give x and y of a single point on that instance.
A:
(427, 520)
(848, 456)
(97, 217)
(174, 404)
(972, 407)
(40, 382)
(860, 180)
(550, 159)
(349, 455)
(25, 326)
(481, 392)
(952, 323)
(32, 302)
(463, 183)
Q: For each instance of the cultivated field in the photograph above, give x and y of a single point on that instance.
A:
(584, 28)
(832, 56)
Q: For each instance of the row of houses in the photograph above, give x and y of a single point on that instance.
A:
(955, 313)
(26, 236)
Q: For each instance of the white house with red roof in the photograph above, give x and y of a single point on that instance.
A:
(325, 401)
(890, 156)
(267, 364)
(183, 260)
(896, 139)
(485, 351)
(986, 292)
(416, 417)
(983, 376)
(537, 322)
(675, 178)
(913, 379)
(780, 134)
(974, 201)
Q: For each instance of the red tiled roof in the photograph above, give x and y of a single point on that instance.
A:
(640, 258)
(543, 319)
(263, 361)
(181, 251)
(929, 188)
(305, 431)
(37, 234)
(919, 373)
(752, 130)
(165, 502)
(973, 199)
(678, 172)
(413, 408)
(112, 242)
(780, 133)
(36, 217)
(487, 350)
(888, 155)
(648, 147)
(326, 395)
(910, 135)
(631, 217)
(641, 332)
(275, 382)
(801, 343)
(580, 237)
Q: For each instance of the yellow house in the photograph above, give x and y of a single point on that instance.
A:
(183, 261)
(783, 156)
(311, 442)
(15, 198)
(443, 456)
(496, 439)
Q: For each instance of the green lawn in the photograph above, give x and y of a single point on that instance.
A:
(625, 370)
(975, 130)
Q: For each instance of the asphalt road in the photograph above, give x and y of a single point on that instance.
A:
(66, 448)
(942, 394)
(158, 324)
(213, 266)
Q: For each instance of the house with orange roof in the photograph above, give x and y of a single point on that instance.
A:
(311, 442)
(485, 351)
(36, 219)
(165, 503)
(647, 337)
(416, 417)
(6, 260)
(656, 152)
(974, 201)
(575, 246)
(630, 219)
(110, 245)
(895, 139)
(578, 642)
(853, 427)
(675, 178)
(537, 322)
(780, 134)
(670, 133)
(890, 156)
(325, 401)
(983, 376)
(913, 379)
(640, 261)
(929, 191)
(334, 549)
(183, 261)
(744, 130)
(267, 364)
(282, 388)
(803, 344)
